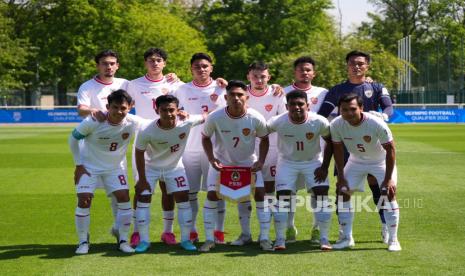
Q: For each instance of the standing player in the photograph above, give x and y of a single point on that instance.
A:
(375, 97)
(235, 128)
(101, 158)
(167, 138)
(262, 98)
(304, 73)
(299, 133)
(369, 141)
(145, 90)
(199, 96)
(92, 99)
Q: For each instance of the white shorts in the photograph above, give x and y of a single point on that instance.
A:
(287, 174)
(196, 165)
(356, 174)
(269, 168)
(214, 178)
(175, 179)
(113, 181)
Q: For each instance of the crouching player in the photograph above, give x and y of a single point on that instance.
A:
(371, 146)
(235, 128)
(164, 140)
(102, 159)
(299, 133)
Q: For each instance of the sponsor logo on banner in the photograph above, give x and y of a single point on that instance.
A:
(235, 176)
(367, 138)
(246, 131)
(213, 97)
(368, 93)
(268, 107)
(125, 135)
(314, 100)
(309, 135)
(182, 135)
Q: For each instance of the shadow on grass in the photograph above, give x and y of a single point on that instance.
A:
(64, 251)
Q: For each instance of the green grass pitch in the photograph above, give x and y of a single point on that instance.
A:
(37, 234)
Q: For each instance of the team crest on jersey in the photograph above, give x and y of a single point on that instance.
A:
(314, 100)
(165, 91)
(368, 93)
(235, 176)
(182, 135)
(213, 97)
(309, 135)
(268, 107)
(125, 135)
(367, 138)
(246, 131)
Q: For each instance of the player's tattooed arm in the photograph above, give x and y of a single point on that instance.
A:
(278, 90)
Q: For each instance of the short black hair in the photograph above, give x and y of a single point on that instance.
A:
(304, 59)
(106, 53)
(119, 96)
(356, 53)
(155, 51)
(350, 97)
(294, 94)
(198, 56)
(236, 83)
(258, 65)
(166, 99)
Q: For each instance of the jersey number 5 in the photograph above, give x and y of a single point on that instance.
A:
(361, 148)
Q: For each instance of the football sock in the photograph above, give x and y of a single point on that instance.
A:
(221, 215)
(143, 220)
(168, 217)
(376, 191)
(184, 219)
(114, 210)
(280, 219)
(82, 223)
(346, 218)
(134, 221)
(392, 215)
(291, 215)
(322, 215)
(194, 203)
(210, 215)
(123, 219)
(264, 219)
(245, 210)
(313, 204)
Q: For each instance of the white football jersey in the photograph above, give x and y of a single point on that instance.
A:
(104, 144)
(235, 136)
(364, 141)
(166, 145)
(299, 142)
(315, 95)
(144, 91)
(94, 93)
(195, 100)
(267, 105)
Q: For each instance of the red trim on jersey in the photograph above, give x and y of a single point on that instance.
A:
(301, 89)
(200, 85)
(233, 117)
(387, 143)
(160, 127)
(102, 82)
(298, 123)
(149, 79)
(364, 118)
(251, 91)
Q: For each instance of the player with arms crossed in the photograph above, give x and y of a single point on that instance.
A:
(299, 133)
(235, 128)
(304, 73)
(371, 146)
(145, 90)
(167, 138)
(375, 97)
(101, 158)
(263, 98)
